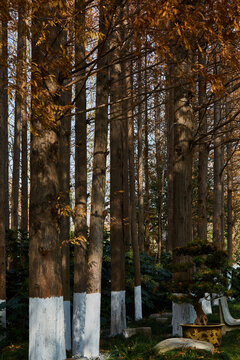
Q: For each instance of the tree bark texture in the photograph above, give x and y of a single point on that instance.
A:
(116, 179)
(24, 169)
(4, 111)
(230, 212)
(3, 141)
(170, 152)
(45, 250)
(64, 179)
(218, 192)
(140, 160)
(50, 67)
(159, 174)
(146, 169)
(134, 236)
(182, 179)
(99, 166)
(203, 161)
(118, 144)
(19, 106)
(24, 126)
(182, 166)
(80, 249)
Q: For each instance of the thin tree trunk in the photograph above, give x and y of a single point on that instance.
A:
(4, 90)
(230, 215)
(45, 288)
(20, 71)
(126, 190)
(64, 179)
(134, 235)
(3, 140)
(94, 266)
(170, 151)
(146, 169)
(24, 175)
(203, 161)
(126, 204)
(160, 175)
(218, 193)
(140, 160)
(24, 159)
(118, 310)
(80, 249)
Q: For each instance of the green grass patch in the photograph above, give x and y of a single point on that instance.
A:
(141, 348)
(14, 352)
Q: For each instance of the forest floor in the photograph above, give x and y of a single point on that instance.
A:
(141, 348)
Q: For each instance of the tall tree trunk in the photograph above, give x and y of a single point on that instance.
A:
(140, 159)
(218, 193)
(80, 249)
(24, 118)
(203, 159)
(4, 96)
(118, 310)
(20, 71)
(24, 174)
(170, 151)
(146, 169)
(182, 181)
(134, 235)
(126, 188)
(93, 298)
(64, 180)
(45, 288)
(159, 174)
(126, 203)
(230, 213)
(3, 141)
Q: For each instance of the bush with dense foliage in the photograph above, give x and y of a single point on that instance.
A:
(199, 268)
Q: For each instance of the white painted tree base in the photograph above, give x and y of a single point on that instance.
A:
(92, 325)
(3, 313)
(67, 323)
(181, 314)
(138, 302)
(215, 301)
(118, 312)
(206, 305)
(78, 323)
(46, 329)
(3, 316)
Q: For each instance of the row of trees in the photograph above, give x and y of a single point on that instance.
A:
(164, 79)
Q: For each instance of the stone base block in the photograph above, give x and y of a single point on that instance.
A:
(145, 331)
